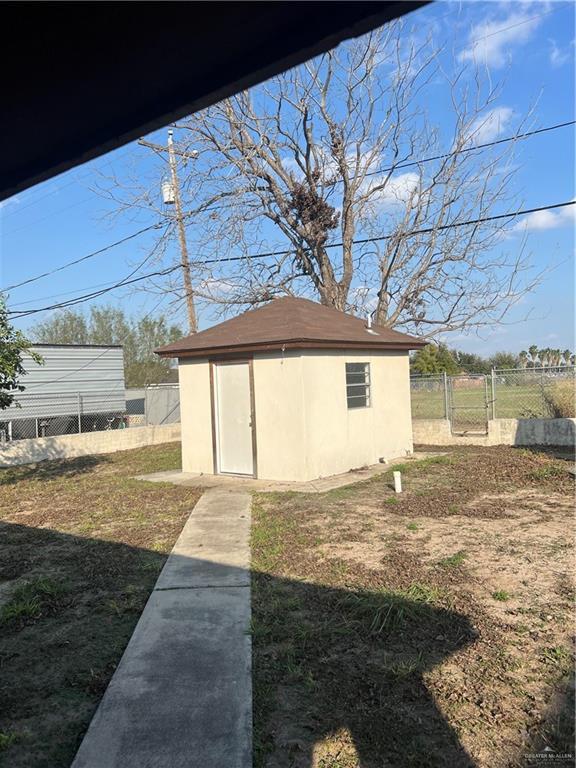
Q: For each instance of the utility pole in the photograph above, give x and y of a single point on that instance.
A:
(192, 324)
(184, 260)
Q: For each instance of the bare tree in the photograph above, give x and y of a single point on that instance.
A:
(327, 168)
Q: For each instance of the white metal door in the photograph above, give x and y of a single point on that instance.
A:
(233, 418)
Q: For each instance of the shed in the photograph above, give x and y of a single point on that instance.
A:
(293, 390)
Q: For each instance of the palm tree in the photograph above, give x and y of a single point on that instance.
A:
(533, 352)
(523, 358)
(566, 355)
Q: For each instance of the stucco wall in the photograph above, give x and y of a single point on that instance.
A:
(85, 444)
(556, 432)
(195, 416)
(338, 438)
(304, 429)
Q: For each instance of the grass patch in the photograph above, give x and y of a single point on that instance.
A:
(7, 739)
(454, 561)
(366, 652)
(501, 595)
(33, 601)
(547, 472)
(83, 543)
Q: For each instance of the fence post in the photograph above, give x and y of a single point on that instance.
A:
(493, 380)
(79, 412)
(146, 405)
(445, 378)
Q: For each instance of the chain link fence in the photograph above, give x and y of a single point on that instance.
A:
(35, 415)
(67, 413)
(517, 393)
(532, 393)
(429, 396)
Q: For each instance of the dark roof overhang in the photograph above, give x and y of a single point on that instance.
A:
(247, 350)
(84, 78)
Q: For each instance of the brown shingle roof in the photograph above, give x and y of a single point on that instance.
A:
(289, 323)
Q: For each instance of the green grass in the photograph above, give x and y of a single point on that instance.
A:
(512, 402)
(8, 739)
(455, 560)
(547, 471)
(352, 623)
(32, 601)
(501, 595)
(81, 546)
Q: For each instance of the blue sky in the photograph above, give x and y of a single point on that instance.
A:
(530, 46)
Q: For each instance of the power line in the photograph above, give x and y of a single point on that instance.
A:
(361, 241)
(90, 362)
(365, 240)
(511, 26)
(94, 294)
(62, 293)
(158, 225)
(75, 178)
(517, 137)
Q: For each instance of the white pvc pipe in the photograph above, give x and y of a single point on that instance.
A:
(397, 482)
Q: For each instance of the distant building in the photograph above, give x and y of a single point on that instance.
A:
(79, 388)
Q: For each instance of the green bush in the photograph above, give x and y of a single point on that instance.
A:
(559, 398)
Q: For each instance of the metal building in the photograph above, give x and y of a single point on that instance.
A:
(78, 388)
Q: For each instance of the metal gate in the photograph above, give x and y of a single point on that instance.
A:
(468, 404)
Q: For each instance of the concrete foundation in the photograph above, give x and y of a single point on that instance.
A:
(552, 432)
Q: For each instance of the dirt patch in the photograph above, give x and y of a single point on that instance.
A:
(427, 629)
(81, 546)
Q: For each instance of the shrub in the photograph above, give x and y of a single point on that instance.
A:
(559, 398)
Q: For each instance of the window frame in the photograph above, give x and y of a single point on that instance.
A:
(364, 387)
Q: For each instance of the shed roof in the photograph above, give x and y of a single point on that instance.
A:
(289, 323)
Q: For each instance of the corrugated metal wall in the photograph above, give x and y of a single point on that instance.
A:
(87, 377)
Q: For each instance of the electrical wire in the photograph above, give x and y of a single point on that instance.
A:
(160, 273)
(90, 362)
(487, 144)
(95, 294)
(158, 225)
(365, 240)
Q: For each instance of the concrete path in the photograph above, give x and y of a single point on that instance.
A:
(322, 485)
(181, 696)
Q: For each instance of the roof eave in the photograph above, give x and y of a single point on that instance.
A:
(246, 349)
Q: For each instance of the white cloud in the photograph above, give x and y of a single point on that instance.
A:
(491, 42)
(543, 220)
(558, 57)
(399, 190)
(490, 125)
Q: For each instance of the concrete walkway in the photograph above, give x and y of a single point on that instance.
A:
(181, 696)
(322, 485)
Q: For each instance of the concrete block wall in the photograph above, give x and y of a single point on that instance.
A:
(555, 432)
(88, 443)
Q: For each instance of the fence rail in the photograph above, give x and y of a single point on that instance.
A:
(46, 415)
(514, 393)
(64, 413)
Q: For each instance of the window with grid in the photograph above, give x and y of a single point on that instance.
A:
(358, 385)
